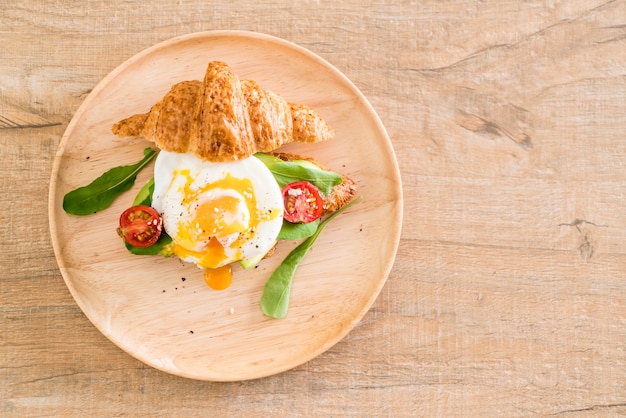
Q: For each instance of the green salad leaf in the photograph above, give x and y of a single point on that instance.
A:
(286, 172)
(296, 231)
(266, 158)
(144, 197)
(161, 247)
(275, 298)
(101, 192)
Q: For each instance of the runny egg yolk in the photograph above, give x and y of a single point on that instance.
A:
(219, 278)
(222, 216)
(216, 211)
(217, 217)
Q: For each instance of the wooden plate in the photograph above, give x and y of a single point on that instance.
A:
(159, 309)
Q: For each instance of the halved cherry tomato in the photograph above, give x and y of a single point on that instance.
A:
(303, 202)
(140, 226)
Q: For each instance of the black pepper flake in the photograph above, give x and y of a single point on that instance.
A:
(183, 279)
(191, 331)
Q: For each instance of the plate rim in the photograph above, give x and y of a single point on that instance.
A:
(203, 35)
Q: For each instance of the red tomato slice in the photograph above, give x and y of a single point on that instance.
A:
(140, 226)
(303, 202)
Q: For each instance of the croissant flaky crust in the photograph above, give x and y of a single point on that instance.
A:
(224, 118)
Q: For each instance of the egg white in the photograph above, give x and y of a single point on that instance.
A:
(188, 190)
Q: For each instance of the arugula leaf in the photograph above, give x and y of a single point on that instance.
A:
(275, 298)
(162, 247)
(286, 172)
(296, 231)
(101, 192)
(266, 158)
(144, 197)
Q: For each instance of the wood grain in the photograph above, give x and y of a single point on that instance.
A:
(333, 287)
(507, 297)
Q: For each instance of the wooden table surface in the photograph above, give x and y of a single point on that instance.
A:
(508, 293)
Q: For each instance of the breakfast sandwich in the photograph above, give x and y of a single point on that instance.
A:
(222, 191)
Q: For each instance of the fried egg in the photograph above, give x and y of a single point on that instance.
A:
(217, 213)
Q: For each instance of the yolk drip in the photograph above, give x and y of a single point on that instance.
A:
(219, 278)
(212, 255)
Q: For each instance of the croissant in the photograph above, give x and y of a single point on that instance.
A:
(224, 118)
